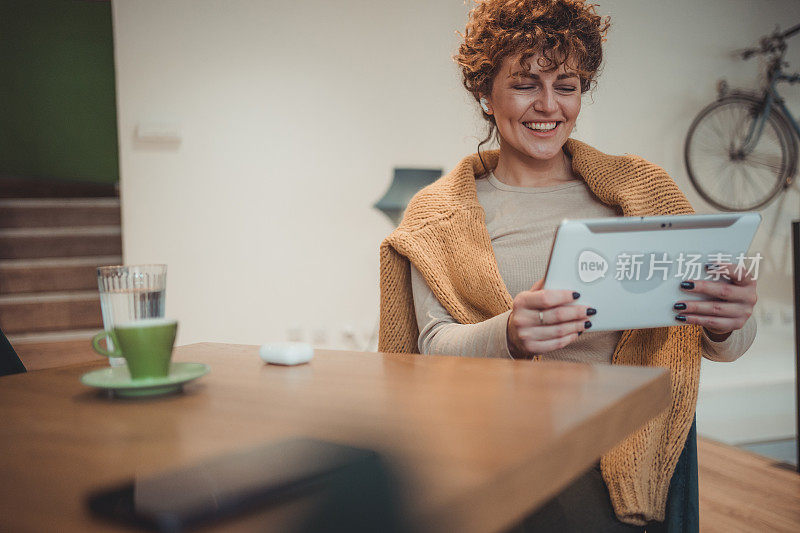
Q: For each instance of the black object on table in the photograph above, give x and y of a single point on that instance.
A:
(349, 490)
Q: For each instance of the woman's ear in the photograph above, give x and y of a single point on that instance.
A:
(485, 105)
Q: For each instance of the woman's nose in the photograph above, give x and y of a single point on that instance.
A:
(545, 102)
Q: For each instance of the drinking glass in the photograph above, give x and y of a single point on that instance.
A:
(129, 293)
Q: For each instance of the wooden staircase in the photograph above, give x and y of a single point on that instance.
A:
(50, 249)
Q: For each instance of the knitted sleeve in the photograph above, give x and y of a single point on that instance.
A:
(439, 333)
(731, 348)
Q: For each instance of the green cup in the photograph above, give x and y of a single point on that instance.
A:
(146, 345)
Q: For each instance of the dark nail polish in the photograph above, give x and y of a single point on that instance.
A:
(591, 311)
(679, 306)
(580, 333)
(680, 317)
(576, 295)
(687, 284)
(587, 324)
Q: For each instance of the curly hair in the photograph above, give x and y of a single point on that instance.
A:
(562, 31)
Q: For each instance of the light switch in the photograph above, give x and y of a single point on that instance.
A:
(158, 132)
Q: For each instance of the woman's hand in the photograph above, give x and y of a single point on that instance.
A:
(737, 297)
(541, 321)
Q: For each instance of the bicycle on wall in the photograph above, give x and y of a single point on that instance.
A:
(741, 150)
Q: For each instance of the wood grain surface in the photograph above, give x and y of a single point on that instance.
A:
(478, 443)
(745, 492)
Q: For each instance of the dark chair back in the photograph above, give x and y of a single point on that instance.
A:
(9, 362)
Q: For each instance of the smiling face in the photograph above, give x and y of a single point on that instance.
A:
(534, 110)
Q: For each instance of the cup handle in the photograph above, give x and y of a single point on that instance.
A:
(103, 335)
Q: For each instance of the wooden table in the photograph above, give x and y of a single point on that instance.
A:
(480, 442)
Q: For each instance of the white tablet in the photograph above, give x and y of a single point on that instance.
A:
(630, 268)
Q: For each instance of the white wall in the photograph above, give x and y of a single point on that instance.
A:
(292, 115)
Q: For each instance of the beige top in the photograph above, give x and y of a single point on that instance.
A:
(522, 223)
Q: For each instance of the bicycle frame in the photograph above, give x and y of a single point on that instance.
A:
(786, 113)
(772, 99)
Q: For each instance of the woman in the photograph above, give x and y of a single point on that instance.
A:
(482, 233)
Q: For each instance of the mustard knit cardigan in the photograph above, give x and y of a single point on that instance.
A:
(443, 233)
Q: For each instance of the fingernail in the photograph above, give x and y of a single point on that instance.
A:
(591, 311)
(687, 284)
(679, 306)
(580, 333)
(587, 324)
(576, 295)
(680, 317)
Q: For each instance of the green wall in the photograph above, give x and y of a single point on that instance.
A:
(58, 115)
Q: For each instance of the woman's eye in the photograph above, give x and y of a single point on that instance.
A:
(526, 87)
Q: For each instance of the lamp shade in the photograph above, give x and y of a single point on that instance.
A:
(405, 184)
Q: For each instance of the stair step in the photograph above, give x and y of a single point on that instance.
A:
(41, 337)
(11, 187)
(60, 274)
(24, 243)
(59, 212)
(55, 348)
(50, 312)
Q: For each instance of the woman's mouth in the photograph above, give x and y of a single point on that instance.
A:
(542, 128)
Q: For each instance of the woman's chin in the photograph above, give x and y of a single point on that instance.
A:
(543, 153)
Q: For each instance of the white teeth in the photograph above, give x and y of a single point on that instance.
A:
(540, 126)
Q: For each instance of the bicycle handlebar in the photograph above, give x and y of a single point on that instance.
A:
(772, 43)
(791, 31)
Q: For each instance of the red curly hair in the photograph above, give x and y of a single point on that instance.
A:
(562, 31)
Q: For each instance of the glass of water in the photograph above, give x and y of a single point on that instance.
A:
(128, 293)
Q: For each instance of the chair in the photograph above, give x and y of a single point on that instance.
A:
(9, 362)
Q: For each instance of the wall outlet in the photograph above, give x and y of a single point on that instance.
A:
(295, 334)
(350, 338)
(319, 338)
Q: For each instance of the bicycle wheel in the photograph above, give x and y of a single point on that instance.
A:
(724, 176)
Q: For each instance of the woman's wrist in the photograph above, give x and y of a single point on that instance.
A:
(717, 337)
(513, 349)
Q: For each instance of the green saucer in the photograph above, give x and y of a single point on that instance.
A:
(117, 380)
